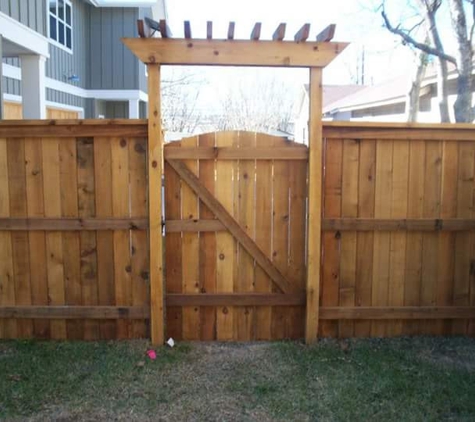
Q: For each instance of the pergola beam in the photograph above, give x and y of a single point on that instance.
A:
(234, 52)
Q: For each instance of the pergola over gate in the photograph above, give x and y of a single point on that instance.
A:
(155, 52)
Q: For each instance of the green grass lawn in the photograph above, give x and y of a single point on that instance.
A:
(394, 379)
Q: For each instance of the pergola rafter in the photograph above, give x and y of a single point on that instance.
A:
(231, 52)
(278, 52)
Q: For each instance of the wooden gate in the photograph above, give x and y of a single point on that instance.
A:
(235, 208)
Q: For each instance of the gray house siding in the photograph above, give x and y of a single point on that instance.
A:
(13, 61)
(11, 86)
(98, 57)
(64, 98)
(118, 68)
(143, 12)
(31, 13)
(62, 64)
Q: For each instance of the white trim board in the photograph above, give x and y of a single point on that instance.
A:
(99, 94)
(12, 98)
(23, 36)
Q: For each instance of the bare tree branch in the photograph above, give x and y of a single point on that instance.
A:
(410, 40)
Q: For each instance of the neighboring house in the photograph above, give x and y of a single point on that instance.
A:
(386, 102)
(331, 94)
(64, 58)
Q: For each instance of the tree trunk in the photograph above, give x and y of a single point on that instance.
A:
(430, 9)
(442, 91)
(413, 96)
(463, 56)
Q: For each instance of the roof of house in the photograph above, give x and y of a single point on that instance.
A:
(333, 93)
(387, 91)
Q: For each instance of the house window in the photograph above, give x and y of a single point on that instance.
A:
(60, 22)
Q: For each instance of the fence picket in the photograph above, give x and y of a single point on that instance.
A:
(54, 240)
(207, 245)
(105, 239)
(37, 246)
(365, 241)
(71, 240)
(349, 208)
(190, 250)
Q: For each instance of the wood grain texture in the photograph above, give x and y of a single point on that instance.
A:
(37, 243)
(71, 242)
(207, 277)
(233, 53)
(430, 241)
(105, 240)
(54, 241)
(464, 241)
(245, 282)
(190, 249)
(225, 244)
(138, 239)
(20, 243)
(349, 208)
(382, 208)
(413, 276)
(264, 195)
(88, 242)
(173, 256)
(8, 328)
(397, 254)
(365, 241)
(315, 177)
(231, 224)
(154, 174)
(121, 208)
(332, 189)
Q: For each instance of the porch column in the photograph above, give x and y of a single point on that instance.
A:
(33, 88)
(134, 111)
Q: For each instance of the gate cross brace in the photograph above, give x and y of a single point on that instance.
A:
(231, 225)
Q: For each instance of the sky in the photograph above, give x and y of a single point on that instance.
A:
(357, 21)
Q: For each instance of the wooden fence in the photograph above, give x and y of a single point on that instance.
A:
(73, 216)
(267, 197)
(398, 245)
(398, 242)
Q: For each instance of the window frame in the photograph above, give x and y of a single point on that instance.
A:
(60, 20)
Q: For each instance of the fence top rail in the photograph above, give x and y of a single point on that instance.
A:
(400, 131)
(73, 128)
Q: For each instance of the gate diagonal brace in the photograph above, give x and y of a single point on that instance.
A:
(232, 225)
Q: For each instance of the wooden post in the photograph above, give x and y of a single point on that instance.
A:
(315, 180)
(155, 165)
